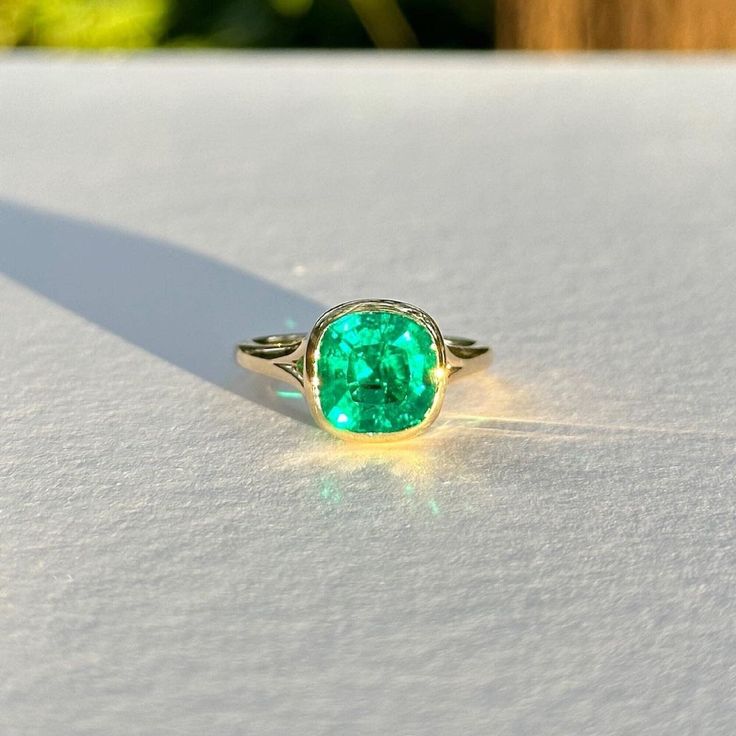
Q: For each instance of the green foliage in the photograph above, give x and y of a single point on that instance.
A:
(246, 23)
(83, 23)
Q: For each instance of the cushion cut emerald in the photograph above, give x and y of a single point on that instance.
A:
(376, 371)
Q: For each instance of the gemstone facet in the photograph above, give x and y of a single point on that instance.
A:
(376, 371)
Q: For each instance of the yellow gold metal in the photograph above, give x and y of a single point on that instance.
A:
(292, 358)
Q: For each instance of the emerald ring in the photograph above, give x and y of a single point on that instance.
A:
(371, 370)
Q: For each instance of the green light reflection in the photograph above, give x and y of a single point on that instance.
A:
(329, 493)
(284, 393)
(405, 477)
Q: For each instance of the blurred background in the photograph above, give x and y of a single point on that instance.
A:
(681, 25)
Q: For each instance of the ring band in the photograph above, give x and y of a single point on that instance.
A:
(370, 370)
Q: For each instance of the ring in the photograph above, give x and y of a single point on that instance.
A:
(371, 370)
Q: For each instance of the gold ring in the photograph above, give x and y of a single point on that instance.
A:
(371, 370)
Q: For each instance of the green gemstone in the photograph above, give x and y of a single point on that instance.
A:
(377, 372)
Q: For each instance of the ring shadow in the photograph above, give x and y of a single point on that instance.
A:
(179, 305)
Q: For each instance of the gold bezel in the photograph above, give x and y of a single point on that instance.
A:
(311, 387)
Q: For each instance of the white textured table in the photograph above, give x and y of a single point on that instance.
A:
(181, 551)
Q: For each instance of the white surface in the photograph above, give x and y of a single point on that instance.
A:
(181, 551)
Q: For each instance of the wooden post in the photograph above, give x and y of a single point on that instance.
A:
(681, 25)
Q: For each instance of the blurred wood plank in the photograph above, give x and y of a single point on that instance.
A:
(682, 25)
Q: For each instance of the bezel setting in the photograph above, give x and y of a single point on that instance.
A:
(311, 377)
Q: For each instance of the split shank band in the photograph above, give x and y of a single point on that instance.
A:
(370, 370)
(277, 356)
